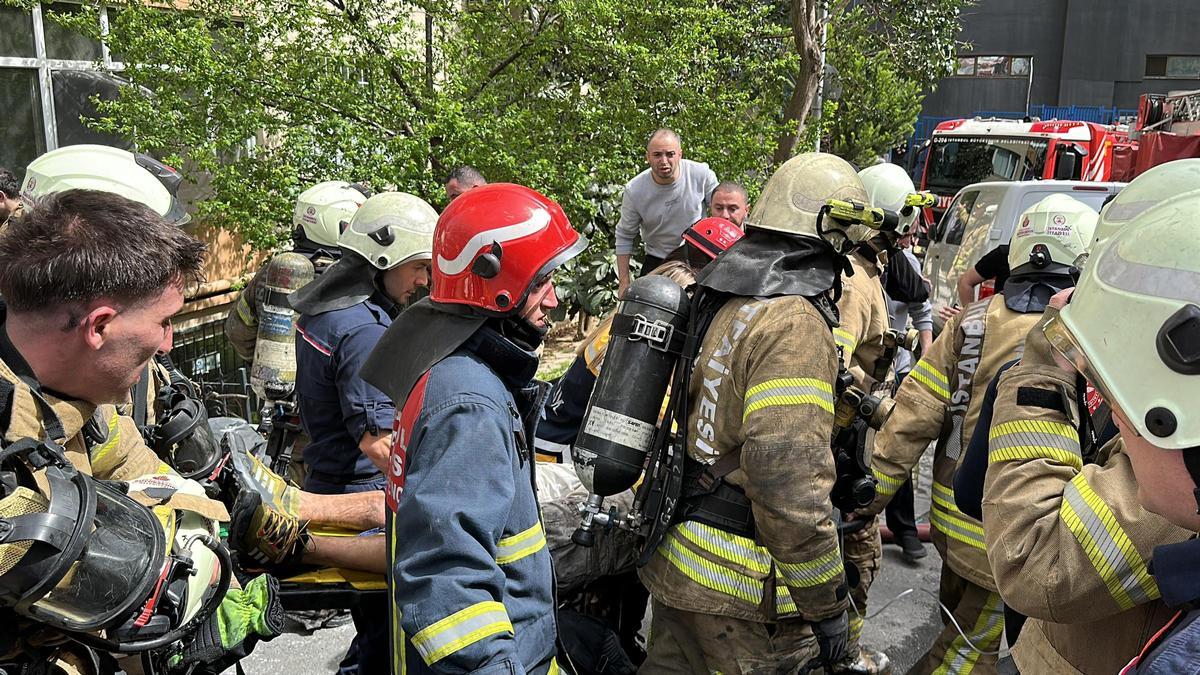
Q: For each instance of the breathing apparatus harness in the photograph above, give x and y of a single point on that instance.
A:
(77, 541)
(182, 438)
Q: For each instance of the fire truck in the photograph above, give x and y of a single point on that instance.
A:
(966, 151)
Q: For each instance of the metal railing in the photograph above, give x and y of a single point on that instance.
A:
(205, 355)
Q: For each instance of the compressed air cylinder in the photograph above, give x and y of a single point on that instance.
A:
(622, 415)
(273, 372)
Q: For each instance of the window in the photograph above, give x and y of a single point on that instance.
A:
(954, 221)
(47, 79)
(994, 66)
(1180, 67)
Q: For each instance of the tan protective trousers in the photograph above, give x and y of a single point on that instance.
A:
(688, 643)
(980, 614)
(863, 549)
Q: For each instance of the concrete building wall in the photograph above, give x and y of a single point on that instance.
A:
(1085, 52)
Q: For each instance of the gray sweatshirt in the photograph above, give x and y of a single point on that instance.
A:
(921, 314)
(660, 213)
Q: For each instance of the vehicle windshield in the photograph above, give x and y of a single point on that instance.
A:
(955, 163)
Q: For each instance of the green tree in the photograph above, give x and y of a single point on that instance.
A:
(263, 98)
(256, 100)
(877, 106)
(918, 36)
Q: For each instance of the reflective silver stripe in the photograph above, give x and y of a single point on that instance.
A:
(822, 393)
(945, 516)
(1106, 544)
(520, 545)
(814, 572)
(960, 658)
(461, 629)
(887, 485)
(738, 550)
(709, 574)
(1034, 439)
(1127, 275)
(845, 339)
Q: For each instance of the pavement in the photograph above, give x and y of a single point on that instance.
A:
(903, 629)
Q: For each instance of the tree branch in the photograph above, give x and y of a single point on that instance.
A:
(543, 22)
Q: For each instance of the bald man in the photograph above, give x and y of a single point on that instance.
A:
(661, 202)
(729, 201)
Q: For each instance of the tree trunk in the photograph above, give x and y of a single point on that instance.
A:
(807, 17)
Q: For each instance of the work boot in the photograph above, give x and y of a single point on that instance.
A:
(264, 537)
(911, 547)
(246, 473)
(867, 662)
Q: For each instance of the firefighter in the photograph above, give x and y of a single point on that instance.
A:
(703, 241)
(1151, 386)
(471, 580)
(939, 401)
(386, 251)
(321, 213)
(103, 276)
(751, 575)
(1067, 540)
(864, 320)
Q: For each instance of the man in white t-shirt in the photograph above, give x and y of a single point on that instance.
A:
(660, 203)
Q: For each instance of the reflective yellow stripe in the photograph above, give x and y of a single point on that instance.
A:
(461, 629)
(813, 572)
(709, 574)
(789, 391)
(1034, 439)
(784, 604)
(114, 436)
(932, 378)
(960, 658)
(596, 348)
(553, 667)
(520, 545)
(845, 339)
(244, 311)
(945, 516)
(1107, 546)
(856, 626)
(887, 485)
(738, 550)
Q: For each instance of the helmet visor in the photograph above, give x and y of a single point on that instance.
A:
(115, 573)
(1068, 347)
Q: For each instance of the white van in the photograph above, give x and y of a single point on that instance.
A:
(982, 217)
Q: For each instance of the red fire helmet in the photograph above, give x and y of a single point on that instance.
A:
(712, 235)
(495, 243)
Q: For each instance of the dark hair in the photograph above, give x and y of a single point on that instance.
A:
(76, 246)
(663, 132)
(732, 186)
(465, 174)
(9, 184)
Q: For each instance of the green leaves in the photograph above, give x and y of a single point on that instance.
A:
(257, 100)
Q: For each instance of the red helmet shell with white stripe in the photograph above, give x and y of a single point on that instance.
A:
(495, 243)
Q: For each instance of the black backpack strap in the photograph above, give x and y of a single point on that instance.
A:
(140, 391)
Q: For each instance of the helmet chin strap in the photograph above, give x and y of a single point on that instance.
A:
(520, 331)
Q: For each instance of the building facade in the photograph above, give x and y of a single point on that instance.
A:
(1087, 53)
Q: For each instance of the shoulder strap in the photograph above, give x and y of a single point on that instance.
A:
(140, 391)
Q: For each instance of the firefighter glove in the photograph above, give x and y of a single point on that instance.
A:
(245, 617)
(832, 634)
